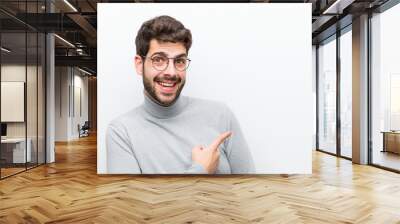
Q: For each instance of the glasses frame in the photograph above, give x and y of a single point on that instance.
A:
(152, 63)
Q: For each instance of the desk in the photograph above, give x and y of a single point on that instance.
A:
(16, 148)
(391, 141)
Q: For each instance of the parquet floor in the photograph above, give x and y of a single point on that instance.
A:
(70, 191)
(387, 159)
(9, 171)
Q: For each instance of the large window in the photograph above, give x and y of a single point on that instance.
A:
(346, 93)
(335, 61)
(385, 89)
(327, 96)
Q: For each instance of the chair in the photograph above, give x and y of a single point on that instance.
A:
(84, 130)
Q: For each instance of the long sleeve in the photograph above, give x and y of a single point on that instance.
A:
(120, 156)
(238, 152)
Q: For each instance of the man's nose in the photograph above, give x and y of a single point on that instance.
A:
(171, 67)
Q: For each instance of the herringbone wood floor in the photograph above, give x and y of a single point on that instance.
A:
(70, 191)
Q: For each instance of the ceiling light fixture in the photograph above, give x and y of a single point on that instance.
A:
(64, 40)
(84, 71)
(70, 5)
(5, 50)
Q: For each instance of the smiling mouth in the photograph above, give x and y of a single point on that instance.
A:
(167, 87)
(166, 84)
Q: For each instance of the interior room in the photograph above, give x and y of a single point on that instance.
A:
(49, 118)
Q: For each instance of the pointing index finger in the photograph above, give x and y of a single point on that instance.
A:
(220, 139)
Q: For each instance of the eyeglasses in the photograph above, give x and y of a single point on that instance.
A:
(160, 62)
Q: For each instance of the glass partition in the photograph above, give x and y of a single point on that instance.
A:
(13, 95)
(327, 96)
(22, 77)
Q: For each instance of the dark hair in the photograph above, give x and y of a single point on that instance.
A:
(163, 29)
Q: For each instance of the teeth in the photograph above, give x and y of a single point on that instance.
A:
(167, 84)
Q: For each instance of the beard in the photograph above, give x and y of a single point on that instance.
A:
(149, 86)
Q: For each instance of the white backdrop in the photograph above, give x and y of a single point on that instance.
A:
(254, 57)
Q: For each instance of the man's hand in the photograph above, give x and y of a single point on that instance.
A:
(208, 157)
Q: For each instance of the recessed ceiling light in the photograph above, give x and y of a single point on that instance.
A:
(5, 50)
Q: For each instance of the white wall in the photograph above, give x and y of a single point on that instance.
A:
(245, 55)
(17, 72)
(61, 103)
(33, 127)
(68, 80)
(80, 83)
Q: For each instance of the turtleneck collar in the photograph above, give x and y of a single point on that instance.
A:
(159, 111)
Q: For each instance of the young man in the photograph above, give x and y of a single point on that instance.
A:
(169, 133)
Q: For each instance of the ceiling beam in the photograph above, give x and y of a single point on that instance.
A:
(85, 61)
(86, 26)
(337, 7)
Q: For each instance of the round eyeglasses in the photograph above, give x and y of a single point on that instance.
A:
(160, 62)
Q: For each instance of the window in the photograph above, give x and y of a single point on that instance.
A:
(346, 93)
(327, 96)
(385, 89)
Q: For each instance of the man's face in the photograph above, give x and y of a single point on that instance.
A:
(163, 86)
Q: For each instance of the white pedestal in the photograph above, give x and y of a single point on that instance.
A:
(19, 155)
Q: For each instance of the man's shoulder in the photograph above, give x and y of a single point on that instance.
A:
(208, 106)
(127, 118)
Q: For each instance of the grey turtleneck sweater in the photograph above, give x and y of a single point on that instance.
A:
(152, 139)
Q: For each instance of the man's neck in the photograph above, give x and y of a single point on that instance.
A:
(158, 102)
(161, 111)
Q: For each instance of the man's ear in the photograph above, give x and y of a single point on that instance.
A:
(139, 65)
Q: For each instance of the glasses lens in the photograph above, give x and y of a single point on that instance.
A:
(181, 64)
(159, 62)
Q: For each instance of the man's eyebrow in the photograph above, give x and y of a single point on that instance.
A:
(161, 53)
(164, 54)
(181, 55)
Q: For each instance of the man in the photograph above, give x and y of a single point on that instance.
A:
(169, 133)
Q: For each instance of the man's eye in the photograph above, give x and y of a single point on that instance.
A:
(180, 61)
(158, 59)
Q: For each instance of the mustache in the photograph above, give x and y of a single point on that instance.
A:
(174, 78)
